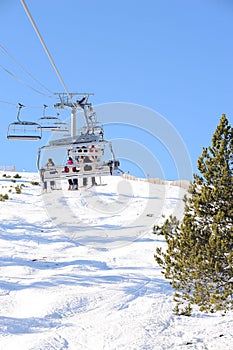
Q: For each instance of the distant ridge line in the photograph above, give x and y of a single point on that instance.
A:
(180, 183)
(7, 168)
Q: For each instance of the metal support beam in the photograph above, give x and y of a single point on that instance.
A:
(73, 122)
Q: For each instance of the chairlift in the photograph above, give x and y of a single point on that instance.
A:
(89, 159)
(51, 123)
(85, 147)
(23, 130)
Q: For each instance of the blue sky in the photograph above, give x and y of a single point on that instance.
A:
(173, 57)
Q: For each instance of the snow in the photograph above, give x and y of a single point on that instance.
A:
(77, 271)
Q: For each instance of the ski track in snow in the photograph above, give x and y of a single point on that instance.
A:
(58, 294)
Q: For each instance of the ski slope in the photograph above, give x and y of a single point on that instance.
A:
(77, 271)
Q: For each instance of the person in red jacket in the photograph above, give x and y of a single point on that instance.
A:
(73, 183)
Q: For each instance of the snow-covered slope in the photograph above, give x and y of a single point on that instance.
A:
(77, 271)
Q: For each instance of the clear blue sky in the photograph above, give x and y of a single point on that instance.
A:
(174, 57)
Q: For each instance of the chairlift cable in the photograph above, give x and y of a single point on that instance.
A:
(23, 69)
(16, 104)
(8, 103)
(45, 47)
(21, 81)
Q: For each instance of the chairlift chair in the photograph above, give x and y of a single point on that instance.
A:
(23, 130)
(77, 151)
(60, 126)
(51, 123)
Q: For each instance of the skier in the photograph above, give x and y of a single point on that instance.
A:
(73, 183)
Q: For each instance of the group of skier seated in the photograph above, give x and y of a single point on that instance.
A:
(73, 182)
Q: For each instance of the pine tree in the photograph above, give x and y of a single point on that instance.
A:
(199, 257)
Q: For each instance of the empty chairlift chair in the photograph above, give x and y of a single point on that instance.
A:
(52, 123)
(23, 130)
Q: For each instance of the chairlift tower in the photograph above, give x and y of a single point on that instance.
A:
(67, 101)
